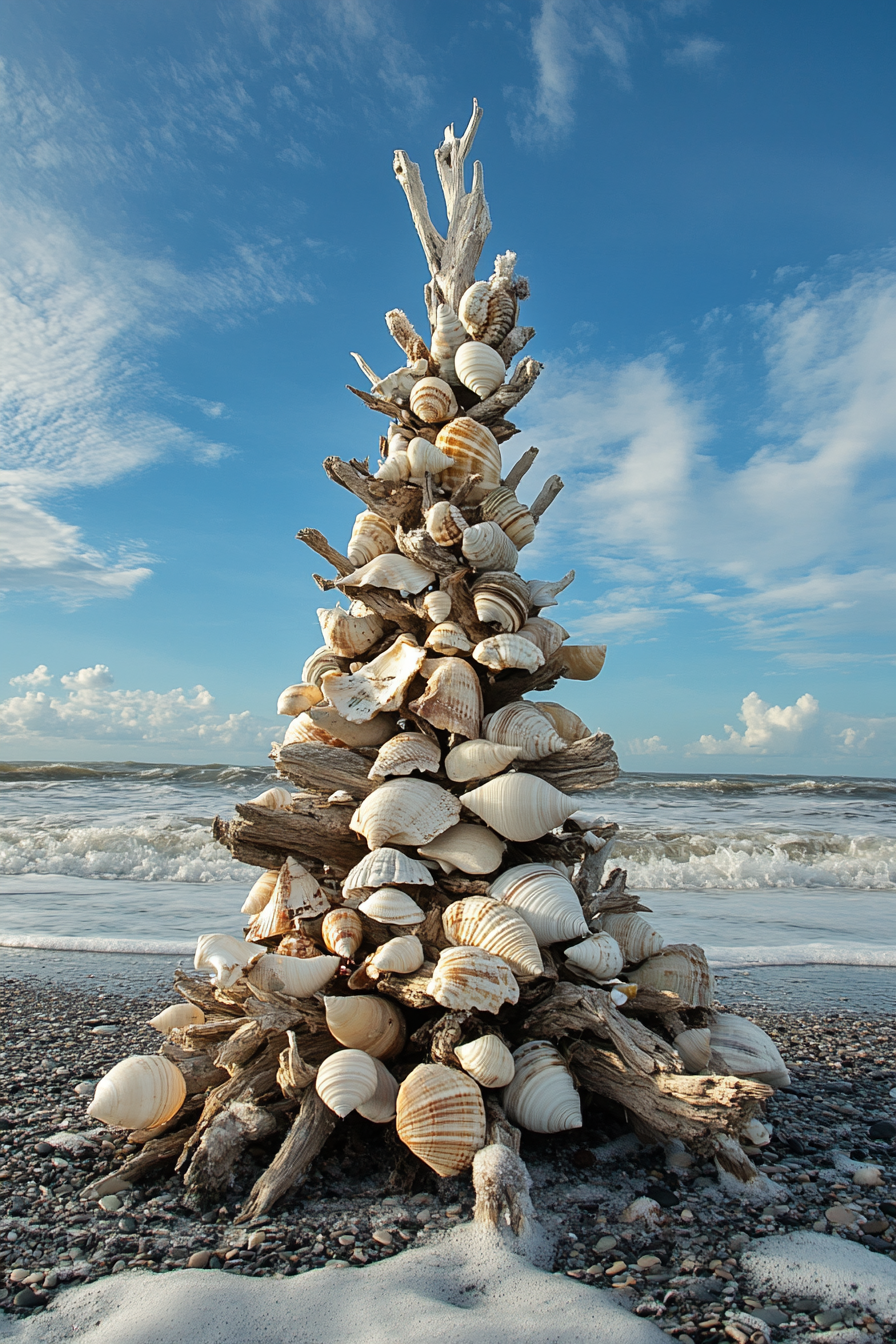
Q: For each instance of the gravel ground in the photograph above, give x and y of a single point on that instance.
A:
(678, 1262)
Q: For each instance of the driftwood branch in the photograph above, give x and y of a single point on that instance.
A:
(402, 331)
(309, 1132)
(324, 769)
(589, 764)
(220, 1147)
(546, 496)
(152, 1154)
(507, 396)
(318, 543)
(514, 342)
(519, 468)
(574, 1008)
(309, 832)
(500, 1177)
(396, 503)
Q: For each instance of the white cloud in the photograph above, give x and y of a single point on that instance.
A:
(696, 53)
(41, 676)
(647, 746)
(801, 729)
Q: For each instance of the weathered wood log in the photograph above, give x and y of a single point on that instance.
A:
(612, 898)
(319, 544)
(521, 381)
(519, 469)
(574, 1008)
(648, 1001)
(394, 502)
(514, 685)
(545, 497)
(294, 1073)
(402, 331)
(418, 545)
(513, 343)
(324, 769)
(587, 765)
(729, 1156)
(455, 884)
(200, 991)
(588, 879)
(199, 1069)
(500, 1177)
(308, 831)
(219, 1149)
(152, 1154)
(409, 989)
(309, 1132)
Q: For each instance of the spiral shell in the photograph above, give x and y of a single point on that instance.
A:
(440, 1116)
(448, 638)
(488, 1060)
(141, 1092)
(320, 661)
(542, 1097)
(681, 969)
(570, 727)
(469, 977)
(472, 849)
(371, 536)
(349, 634)
(747, 1050)
(403, 753)
(448, 334)
(397, 467)
(478, 760)
(445, 524)
(367, 1022)
(389, 571)
(342, 932)
(501, 598)
(297, 944)
(405, 812)
(634, 935)
(424, 457)
(545, 898)
(346, 1080)
(488, 308)
(178, 1015)
(519, 806)
(474, 449)
(299, 977)
(433, 401)
(402, 956)
(522, 724)
(437, 605)
(297, 698)
(478, 921)
(487, 547)
(228, 957)
(502, 651)
(388, 905)
(583, 661)
(548, 635)
(386, 867)
(599, 955)
(501, 506)
(694, 1045)
(377, 687)
(452, 699)
(480, 368)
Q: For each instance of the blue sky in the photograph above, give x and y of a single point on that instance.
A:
(200, 221)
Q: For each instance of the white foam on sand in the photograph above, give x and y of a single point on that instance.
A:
(60, 943)
(839, 1273)
(467, 1287)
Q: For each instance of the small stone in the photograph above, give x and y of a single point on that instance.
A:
(110, 1203)
(119, 1266)
(583, 1158)
(839, 1216)
(28, 1298)
(336, 1264)
(43, 1149)
(663, 1196)
(382, 1237)
(617, 1268)
(51, 1280)
(648, 1261)
(867, 1176)
(85, 1089)
(643, 1209)
(805, 1305)
(359, 1256)
(347, 1240)
(875, 1226)
(888, 1207)
(594, 1271)
(256, 1239)
(826, 1318)
(104, 1031)
(127, 1225)
(687, 1215)
(18, 1276)
(738, 1242)
(770, 1315)
(199, 1260)
(604, 1244)
(882, 1129)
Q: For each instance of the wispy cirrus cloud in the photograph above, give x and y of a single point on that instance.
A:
(697, 52)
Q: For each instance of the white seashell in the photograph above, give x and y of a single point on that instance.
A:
(681, 969)
(371, 536)
(228, 957)
(321, 660)
(694, 1046)
(299, 977)
(385, 867)
(342, 932)
(405, 812)
(486, 546)
(367, 1022)
(402, 956)
(599, 955)
(480, 368)
(388, 905)
(501, 598)
(389, 571)
(488, 1060)
(502, 506)
(381, 1106)
(433, 401)
(299, 892)
(178, 1015)
(440, 1116)
(447, 335)
(478, 760)
(544, 593)
(296, 698)
(548, 635)
(379, 686)
(452, 699)
(278, 800)
(519, 806)
(522, 724)
(478, 921)
(397, 467)
(583, 661)
(398, 385)
(755, 1132)
(468, 977)
(341, 796)
(260, 893)
(346, 1080)
(403, 753)
(348, 634)
(141, 1092)
(570, 727)
(747, 1050)
(474, 448)
(542, 1097)
(438, 605)
(502, 651)
(445, 524)
(634, 935)
(331, 727)
(448, 638)
(866, 1176)
(472, 849)
(545, 898)
(424, 457)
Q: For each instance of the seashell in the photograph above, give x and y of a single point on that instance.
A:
(380, 1108)
(433, 401)
(488, 309)
(470, 977)
(599, 955)
(398, 385)
(474, 449)
(299, 891)
(544, 592)
(275, 919)
(747, 1050)
(260, 893)
(342, 932)
(755, 1132)
(424, 457)
(141, 1092)
(480, 368)
(403, 753)
(694, 1046)
(472, 849)
(377, 687)
(437, 605)
(452, 699)
(388, 905)
(405, 812)
(397, 467)
(296, 698)
(570, 727)
(448, 638)
(634, 935)
(487, 547)
(389, 571)
(299, 977)
(478, 759)
(502, 651)
(446, 525)
(346, 1080)
(542, 1097)
(333, 728)
(448, 334)
(519, 806)
(680, 968)
(278, 800)
(488, 1060)
(228, 957)
(367, 1022)
(402, 956)
(548, 635)
(348, 634)
(440, 1116)
(582, 662)
(385, 867)
(546, 900)
(522, 724)
(501, 506)
(297, 944)
(501, 598)
(322, 660)
(178, 1015)
(478, 921)
(371, 536)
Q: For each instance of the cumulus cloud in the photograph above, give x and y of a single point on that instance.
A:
(799, 729)
(647, 746)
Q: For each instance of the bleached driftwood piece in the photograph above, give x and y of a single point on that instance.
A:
(219, 1149)
(521, 381)
(309, 1132)
(589, 764)
(324, 769)
(519, 468)
(513, 343)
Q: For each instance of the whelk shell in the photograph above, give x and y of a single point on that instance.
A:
(472, 849)
(260, 893)
(403, 753)
(480, 368)
(488, 308)
(599, 955)
(371, 536)
(347, 633)
(141, 1092)
(405, 812)
(546, 900)
(386, 867)
(379, 686)
(468, 977)
(522, 724)
(583, 661)
(433, 401)
(320, 661)
(502, 651)
(424, 457)
(448, 638)
(342, 932)
(634, 935)
(228, 957)
(474, 448)
(345, 1080)
(680, 968)
(478, 759)
(502, 506)
(298, 697)
(440, 1116)
(397, 467)
(452, 699)
(389, 571)
(543, 592)
(277, 799)
(299, 977)
(488, 1060)
(694, 1046)
(367, 1022)
(446, 525)
(388, 905)
(519, 807)
(447, 335)
(178, 1015)
(487, 547)
(542, 1096)
(570, 727)
(548, 635)
(478, 921)
(402, 956)
(437, 605)
(501, 598)
(747, 1050)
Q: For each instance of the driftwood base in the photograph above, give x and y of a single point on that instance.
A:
(219, 1149)
(309, 1132)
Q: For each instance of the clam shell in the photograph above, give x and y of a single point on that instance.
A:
(367, 1022)
(228, 957)
(371, 536)
(488, 308)
(389, 571)
(583, 661)
(487, 547)
(448, 638)
(570, 727)
(385, 867)
(178, 1015)
(747, 1050)
(346, 1080)
(501, 598)
(478, 759)
(380, 1108)
(447, 335)
(445, 524)
(405, 812)
(440, 1116)
(347, 634)
(260, 893)
(522, 724)
(452, 699)
(680, 968)
(694, 1046)
(634, 935)
(474, 449)
(599, 955)
(488, 1060)
(299, 977)
(438, 605)
(277, 799)
(388, 905)
(377, 687)
(498, 652)
(472, 849)
(433, 401)
(478, 921)
(480, 368)
(403, 956)
(542, 1097)
(545, 898)
(403, 753)
(519, 807)
(321, 660)
(424, 457)
(502, 506)
(334, 728)
(469, 977)
(548, 635)
(342, 932)
(298, 697)
(141, 1092)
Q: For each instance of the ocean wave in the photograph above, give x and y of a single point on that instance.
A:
(801, 954)
(131, 945)
(173, 850)
(752, 786)
(130, 772)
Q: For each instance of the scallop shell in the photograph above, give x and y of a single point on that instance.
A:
(522, 724)
(502, 506)
(178, 1015)
(141, 1092)
(548, 635)
(228, 957)
(299, 977)
(380, 1108)
(501, 598)
(472, 849)
(680, 968)
(474, 449)
(543, 592)
(367, 1022)
(277, 799)
(298, 697)
(452, 699)
(440, 1116)
(545, 898)
(299, 892)
(583, 661)
(519, 806)
(488, 308)
(333, 728)
(346, 1080)
(469, 977)
(424, 457)
(402, 956)
(488, 1060)
(403, 753)
(480, 368)
(397, 467)
(478, 759)
(446, 525)
(694, 1046)
(747, 1050)
(321, 660)
(371, 536)
(447, 335)
(478, 921)
(347, 634)
(487, 547)
(599, 955)
(342, 932)
(502, 651)
(570, 727)
(438, 605)
(389, 571)
(405, 812)
(377, 687)
(433, 401)
(385, 867)
(448, 638)
(542, 1097)
(388, 905)
(634, 935)
(260, 893)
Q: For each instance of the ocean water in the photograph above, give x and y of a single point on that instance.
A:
(761, 870)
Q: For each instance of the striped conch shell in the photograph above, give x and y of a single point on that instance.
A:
(583, 661)
(747, 1050)
(487, 547)
(437, 605)
(448, 638)
(388, 905)
(478, 760)
(478, 921)
(472, 849)
(501, 651)
(480, 368)
(433, 401)
(546, 900)
(405, 812)
(680, 968)
(548, 635)
(542, 1096)
(371, 536)
(379, 685)
(445, 524)
(402, 956)
(502, 506)
(141, 1092)
(389, 571)
(320, 661)
(277, 799)
(634, 935)
(424, 457)
(469, 977)
(599, 955)
(297, 698)
(342, 932)
(178, 1015)
(350, 633)
(522, 724)
(570, 727)
(299, 977)
(519, 807)
(228, 957)
(474, 449)
(351, 1080)
(488, 309)
(488, 1060)
(367, 1022)
(404, 753)
(440, 1116)
(386, 867)
(694, 1046)
(447, 335)
(452, 699)
(501, 598)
